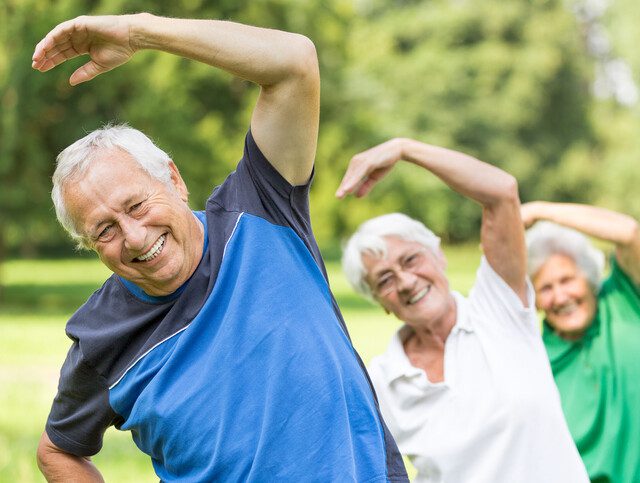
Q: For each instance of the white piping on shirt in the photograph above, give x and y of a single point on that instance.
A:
(183, 328)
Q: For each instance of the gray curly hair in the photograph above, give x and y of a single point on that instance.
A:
(369, 238)
(545, 239)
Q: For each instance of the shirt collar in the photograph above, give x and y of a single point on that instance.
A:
(462, 317)
(398, 364)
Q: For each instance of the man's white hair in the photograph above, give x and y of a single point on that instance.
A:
(369, 239)
(75, 160)
(545, 239)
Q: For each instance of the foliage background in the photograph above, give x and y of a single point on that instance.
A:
(546, 89)
(509, 82)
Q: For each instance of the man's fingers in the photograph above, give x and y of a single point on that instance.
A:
(45, 57)
(57, 46)
(357, 171)
(56, 57)
(85, 73)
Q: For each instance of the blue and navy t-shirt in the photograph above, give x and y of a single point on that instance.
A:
(246, 373)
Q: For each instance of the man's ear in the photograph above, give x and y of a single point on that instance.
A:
(177, 182)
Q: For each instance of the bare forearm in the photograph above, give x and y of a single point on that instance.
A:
(263, 56)
(285, 120)
(594, 221)
(285, 65)
(501, 235)
(77, 471)
(58, 466)
(465, 174)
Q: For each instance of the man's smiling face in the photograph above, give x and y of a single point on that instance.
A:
(141, 228)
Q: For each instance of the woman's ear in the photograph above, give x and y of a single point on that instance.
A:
(441, 259)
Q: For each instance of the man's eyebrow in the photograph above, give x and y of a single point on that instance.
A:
(127, 201)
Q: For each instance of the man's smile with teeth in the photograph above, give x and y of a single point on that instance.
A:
(153, 252)
(419, 296)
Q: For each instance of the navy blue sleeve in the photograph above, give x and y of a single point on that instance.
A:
(81, 412)
(256, 187)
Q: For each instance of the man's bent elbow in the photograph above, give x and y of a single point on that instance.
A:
(305, 62)
(57, 465)
(45, 457)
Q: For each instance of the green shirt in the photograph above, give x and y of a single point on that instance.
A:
(599, 382)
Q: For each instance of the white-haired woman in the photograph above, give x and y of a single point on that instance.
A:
(591, 329)
(465, 384)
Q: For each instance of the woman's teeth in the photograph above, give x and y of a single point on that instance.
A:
(420, 295)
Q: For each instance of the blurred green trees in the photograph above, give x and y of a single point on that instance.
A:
(509, 82)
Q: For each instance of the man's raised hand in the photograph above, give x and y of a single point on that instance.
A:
(106, 39)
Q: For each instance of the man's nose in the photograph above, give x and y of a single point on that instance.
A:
(134, 233)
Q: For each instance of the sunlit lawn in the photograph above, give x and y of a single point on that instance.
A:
(39, 297)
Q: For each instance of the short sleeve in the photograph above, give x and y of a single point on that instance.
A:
(257, 188)
(624, 281)
(497, 302)
(80, 413)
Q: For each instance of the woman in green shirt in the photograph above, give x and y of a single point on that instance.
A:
(591, 329)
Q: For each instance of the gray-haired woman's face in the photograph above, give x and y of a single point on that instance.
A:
(409, 282)
(564, 294)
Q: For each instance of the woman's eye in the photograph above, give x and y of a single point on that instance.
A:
(544, 289)
(411, 260)
(384, 283)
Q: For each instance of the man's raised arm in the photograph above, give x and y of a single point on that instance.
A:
(285, 119)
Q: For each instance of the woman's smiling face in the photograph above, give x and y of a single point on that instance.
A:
(409, 282)
(564, 294)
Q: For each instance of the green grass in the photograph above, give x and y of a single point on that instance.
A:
(39, 296)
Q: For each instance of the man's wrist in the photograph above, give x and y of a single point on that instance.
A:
(139, 28)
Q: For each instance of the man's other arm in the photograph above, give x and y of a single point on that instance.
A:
(58, 466)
